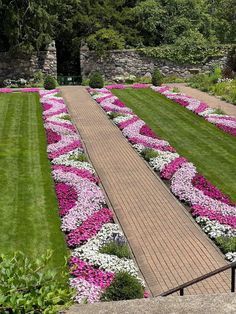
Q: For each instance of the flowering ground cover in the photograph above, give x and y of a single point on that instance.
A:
(85, 218)
(210, 149)
(29, 215)
(222, 121)
(210, 197)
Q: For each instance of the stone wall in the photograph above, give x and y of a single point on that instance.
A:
(24, 66)
(122, 63)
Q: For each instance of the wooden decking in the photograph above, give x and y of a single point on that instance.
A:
(168, 245)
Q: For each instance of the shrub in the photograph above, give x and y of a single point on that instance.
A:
(113, 115)
(123, 287)
(30, 287)
(50, 82)
(66, 117)
(113, 248)
(105, 39)
(157, 78)
(216, 75)
(96, 80)
(38, 77)
(85, 82)
(175, 90)
(226, 244)
(79, 157)
(130, 79)
(149, 153)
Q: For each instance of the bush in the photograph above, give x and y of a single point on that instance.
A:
(113, 248)
(65, 117)
(157, 78)
(149, 153)
(50, 82)
(96, 80)
(38, 77)
(112, 115)
(226, 244)
(130, 79)
(123, 287)
(105, 39)
(30, 287)
(216, 75)
(79, 157)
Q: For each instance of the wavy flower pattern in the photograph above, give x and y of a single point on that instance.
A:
(223, 122)
(213, 210)
(86, 219)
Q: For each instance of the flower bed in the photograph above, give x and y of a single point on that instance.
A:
(86, 220)
(223, 122)
(213, 210)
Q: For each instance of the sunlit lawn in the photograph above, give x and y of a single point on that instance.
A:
(28, 205)
(210, 149)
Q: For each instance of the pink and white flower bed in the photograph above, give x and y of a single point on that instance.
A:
(213, 210)
(86, 220)
(223, 122)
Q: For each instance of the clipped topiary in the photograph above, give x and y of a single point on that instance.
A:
(123, 287)
(50, 82)
(157, 78)
(96, 80)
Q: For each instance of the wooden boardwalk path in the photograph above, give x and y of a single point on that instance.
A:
(168, 245)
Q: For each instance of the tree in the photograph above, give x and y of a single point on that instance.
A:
(27, 25)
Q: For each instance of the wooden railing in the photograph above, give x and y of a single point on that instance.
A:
(181, 288)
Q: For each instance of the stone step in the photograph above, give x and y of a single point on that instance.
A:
(198, 304)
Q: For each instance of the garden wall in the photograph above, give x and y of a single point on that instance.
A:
(24, 66)
(122, 63)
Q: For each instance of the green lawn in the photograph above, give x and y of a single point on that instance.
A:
(29, 211)
(210, 149)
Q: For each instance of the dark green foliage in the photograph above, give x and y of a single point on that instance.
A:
(226, 244)
(28, 286)
(123, 287)
(50, 82)
(157, 78)
(113, 248)
(96, 80)
(28, 25)
(231, 65)
(31, 25)
(190, 134)
(149, 153)
(105, 39)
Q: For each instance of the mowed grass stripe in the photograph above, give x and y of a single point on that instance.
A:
(210, 149)
(29, 210)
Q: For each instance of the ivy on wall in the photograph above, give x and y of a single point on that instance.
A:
(186, 54)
